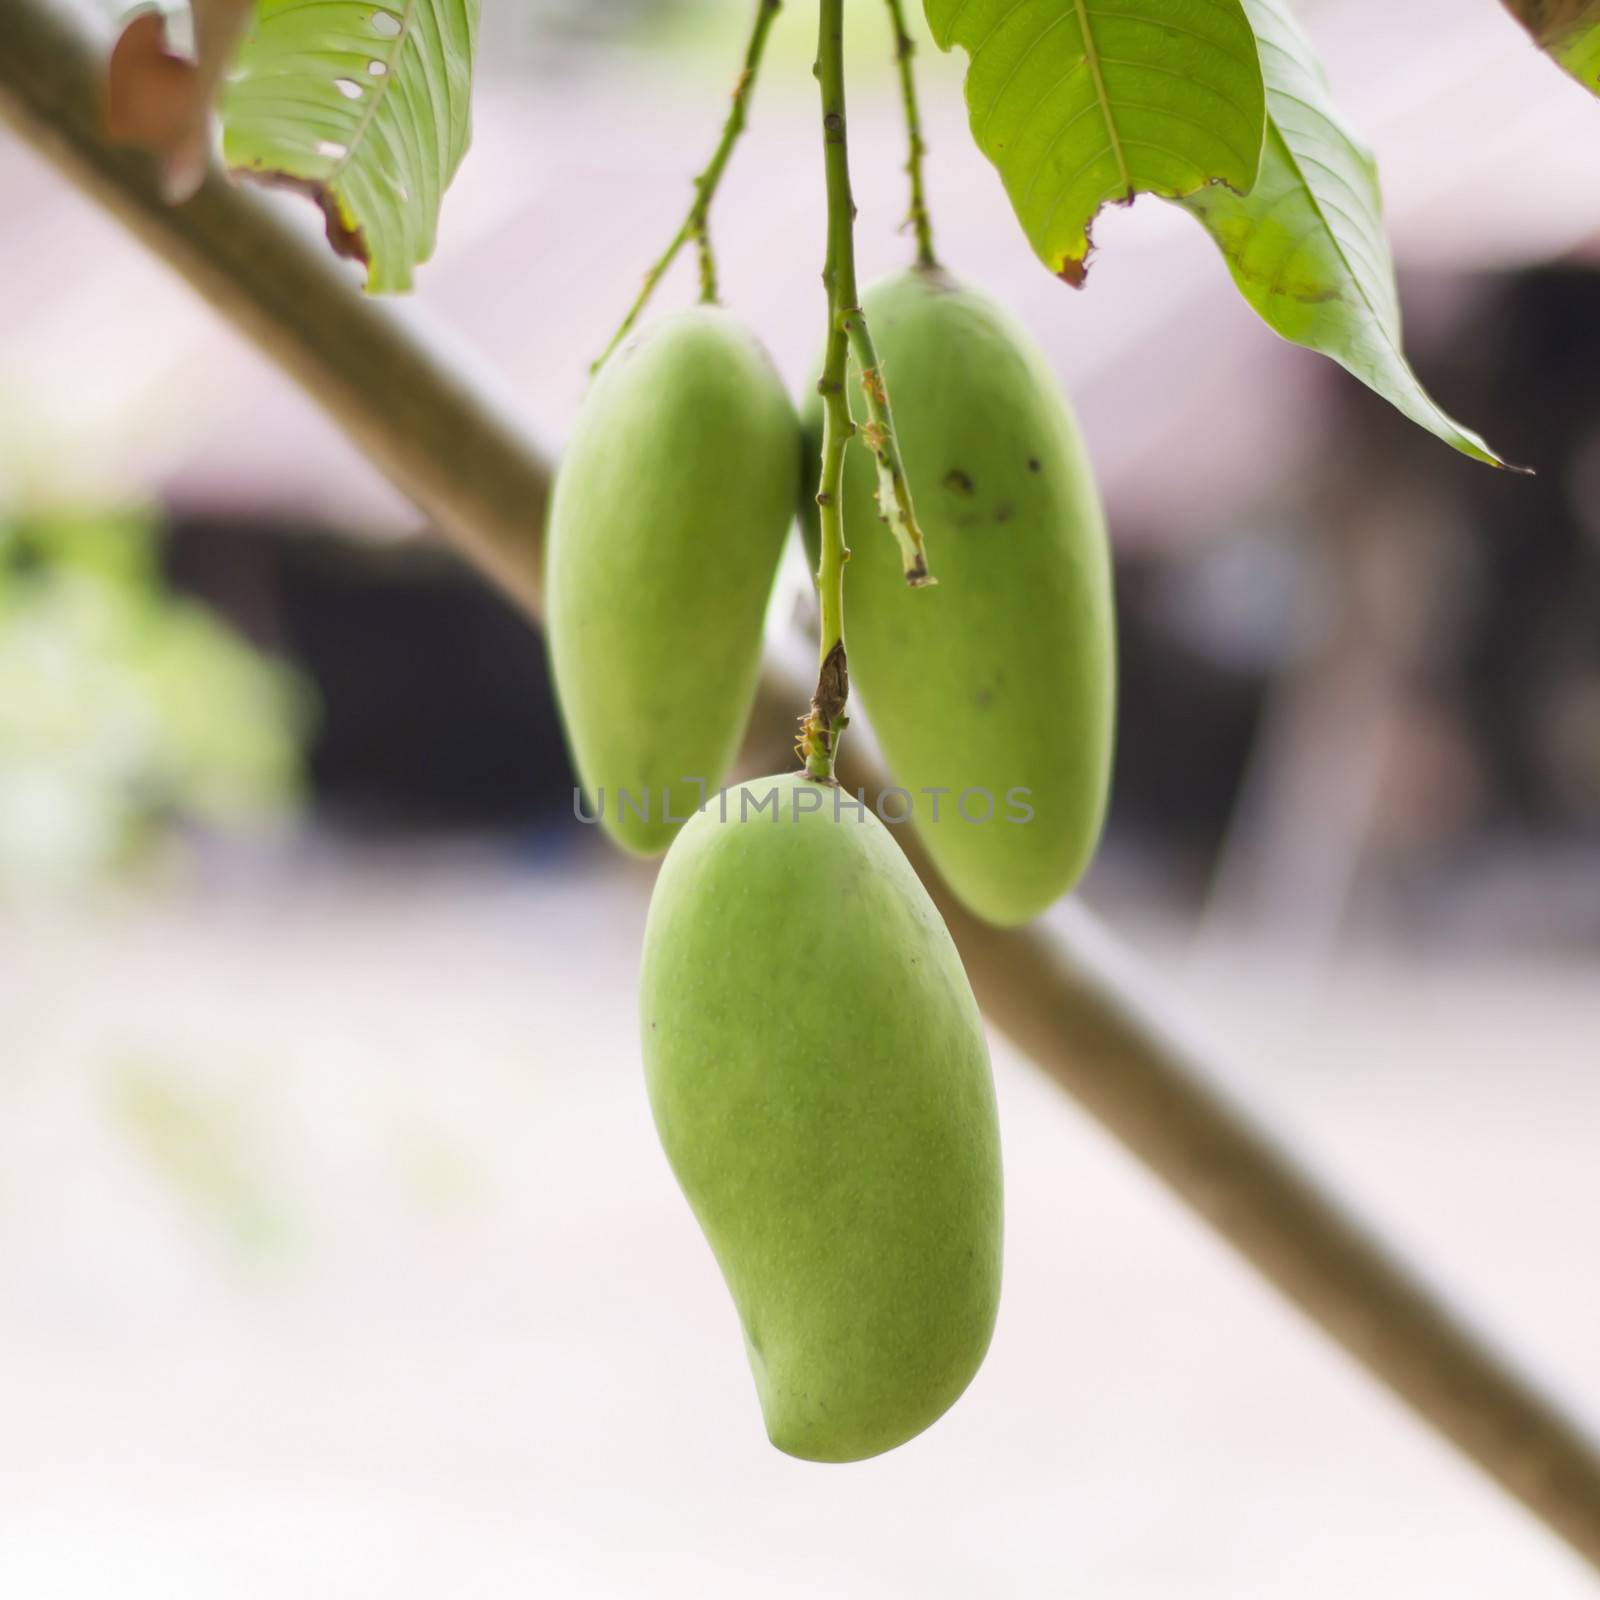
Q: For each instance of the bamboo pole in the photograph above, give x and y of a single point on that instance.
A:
(1068, 996)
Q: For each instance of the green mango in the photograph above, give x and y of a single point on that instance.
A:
(819, 1079)
(996, 686)
(667, 523)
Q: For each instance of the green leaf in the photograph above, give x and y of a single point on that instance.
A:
(1082, 102)
(1306, 246)
(1568, 31)
(363, 106)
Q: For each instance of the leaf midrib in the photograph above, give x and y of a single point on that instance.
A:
(375, 103)
(1378, 318)
(1327, 226)
(1091, 54)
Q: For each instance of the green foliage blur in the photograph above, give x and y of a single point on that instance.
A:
(126, 711)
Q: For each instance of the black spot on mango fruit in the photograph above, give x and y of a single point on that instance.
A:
(820, 1082)
(668, 519)
(1000, 678)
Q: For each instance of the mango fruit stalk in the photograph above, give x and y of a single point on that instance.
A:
(668, 519)
(819, 1078)
(991, 694)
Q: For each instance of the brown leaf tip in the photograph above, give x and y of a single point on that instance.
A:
(1073, 270)
(157, 101)
(1553, 22)
(344, 237)
(160, 100)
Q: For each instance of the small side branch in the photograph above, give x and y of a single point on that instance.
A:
(877, 433)
(696, 225)
(917, 218)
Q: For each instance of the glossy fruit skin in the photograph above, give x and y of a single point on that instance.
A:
(666, 526)
(820, 1082)
(1002, 676)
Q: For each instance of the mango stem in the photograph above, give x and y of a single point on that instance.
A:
(822, 725)
(825, 721)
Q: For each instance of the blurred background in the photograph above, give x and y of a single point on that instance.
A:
(337, 1256)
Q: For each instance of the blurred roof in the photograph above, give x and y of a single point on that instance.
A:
(116, 381)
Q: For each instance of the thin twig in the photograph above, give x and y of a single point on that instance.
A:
(879, 436)
(696, 225)
(917, 217)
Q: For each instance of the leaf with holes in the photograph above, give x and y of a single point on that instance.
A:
(363, 106)
(1306, 245)
(1568, 31)
(1082, 102)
